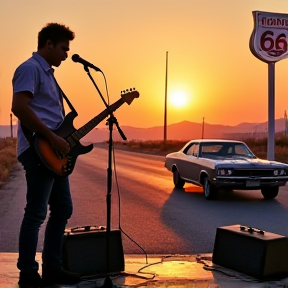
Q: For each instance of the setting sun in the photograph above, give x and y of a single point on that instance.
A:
(178, 98)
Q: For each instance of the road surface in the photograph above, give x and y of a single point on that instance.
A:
(155, 215)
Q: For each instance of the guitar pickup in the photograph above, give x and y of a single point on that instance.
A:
(59, 155)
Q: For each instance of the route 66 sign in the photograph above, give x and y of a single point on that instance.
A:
(268, 41)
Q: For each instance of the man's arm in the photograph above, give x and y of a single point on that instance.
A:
(26, 115)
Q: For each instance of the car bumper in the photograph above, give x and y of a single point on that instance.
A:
(248, 183)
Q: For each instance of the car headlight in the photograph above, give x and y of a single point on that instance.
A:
(276, 172)
(282, 172)
(225, 172)
(279, 172)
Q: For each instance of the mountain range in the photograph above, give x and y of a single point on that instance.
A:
(185, 130)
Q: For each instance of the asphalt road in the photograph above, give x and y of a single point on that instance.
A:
(144, 203)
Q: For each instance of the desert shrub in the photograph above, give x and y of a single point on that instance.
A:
(7, 157)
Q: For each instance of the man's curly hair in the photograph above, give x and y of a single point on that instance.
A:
(54, 32)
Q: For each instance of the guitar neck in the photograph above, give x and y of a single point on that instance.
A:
(85, 129)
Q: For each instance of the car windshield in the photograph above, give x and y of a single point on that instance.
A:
(225, 150)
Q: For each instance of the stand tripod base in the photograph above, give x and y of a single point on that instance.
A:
(108, 283)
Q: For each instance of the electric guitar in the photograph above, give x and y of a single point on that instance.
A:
(63, 165)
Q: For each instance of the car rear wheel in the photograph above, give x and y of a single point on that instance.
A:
(209, 190)
(270, 193)
(177, 180)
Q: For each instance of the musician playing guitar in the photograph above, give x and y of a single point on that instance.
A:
(49, 156)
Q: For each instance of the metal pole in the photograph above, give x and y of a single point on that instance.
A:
(284, 122)
(271, 111)
(203, 128)
(286, 125)
(11, 126)
(165, 105)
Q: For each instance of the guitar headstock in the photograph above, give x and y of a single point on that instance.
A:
(129, 95)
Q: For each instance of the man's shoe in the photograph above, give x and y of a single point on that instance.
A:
(30, 280)
(59, 276)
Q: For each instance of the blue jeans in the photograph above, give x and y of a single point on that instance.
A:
(43, 189)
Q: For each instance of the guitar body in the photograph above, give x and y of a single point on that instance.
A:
(64, 166)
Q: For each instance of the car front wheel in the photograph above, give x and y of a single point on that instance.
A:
(209, 190)
(177, 180)
(270, 192)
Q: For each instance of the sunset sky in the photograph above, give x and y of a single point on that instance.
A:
(210, 63)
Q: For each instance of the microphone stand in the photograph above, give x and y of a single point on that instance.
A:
(110, 122)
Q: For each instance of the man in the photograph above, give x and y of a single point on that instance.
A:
(38, 104)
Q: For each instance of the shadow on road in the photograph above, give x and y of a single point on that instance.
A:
(196, 219)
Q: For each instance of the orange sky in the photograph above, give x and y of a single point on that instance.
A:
(209, 57)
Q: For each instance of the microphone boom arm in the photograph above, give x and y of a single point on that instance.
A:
(113, 118)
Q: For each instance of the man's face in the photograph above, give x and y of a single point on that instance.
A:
(58, 53)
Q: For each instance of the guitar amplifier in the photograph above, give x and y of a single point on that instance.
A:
(84, 250)
(251, 251)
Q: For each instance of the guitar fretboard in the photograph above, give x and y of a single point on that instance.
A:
(85, 129)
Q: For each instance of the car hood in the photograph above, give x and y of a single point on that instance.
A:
(246, 162)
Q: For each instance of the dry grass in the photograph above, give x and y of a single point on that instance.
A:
(259, 147)
(7, 157)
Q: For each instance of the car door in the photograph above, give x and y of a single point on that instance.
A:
(183, 164)
(191, 163)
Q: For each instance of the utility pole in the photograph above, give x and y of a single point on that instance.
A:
(203, 128)
(285, 119)
(165, 104)
(11, 125)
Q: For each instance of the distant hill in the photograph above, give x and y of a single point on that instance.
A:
(185, 131)
(179, 131)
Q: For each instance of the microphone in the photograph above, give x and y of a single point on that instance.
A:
(77, 58)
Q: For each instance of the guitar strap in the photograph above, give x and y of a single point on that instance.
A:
(28, 133)
(64, 96)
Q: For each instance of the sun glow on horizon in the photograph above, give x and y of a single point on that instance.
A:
(178, 98)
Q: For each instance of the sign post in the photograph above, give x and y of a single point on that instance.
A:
(268, 43)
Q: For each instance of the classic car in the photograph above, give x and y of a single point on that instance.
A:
(225, 164)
